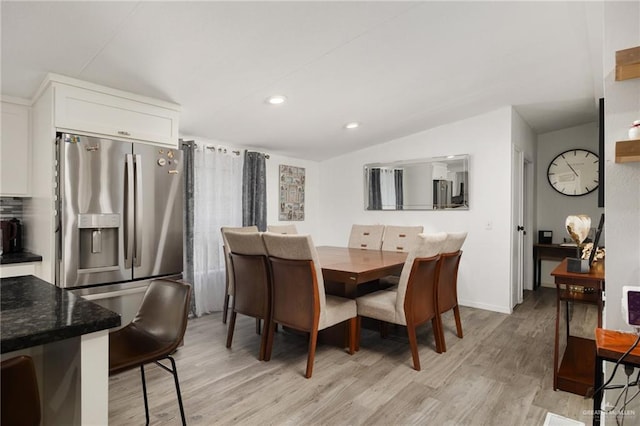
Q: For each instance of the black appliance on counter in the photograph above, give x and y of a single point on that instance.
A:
(11, 235)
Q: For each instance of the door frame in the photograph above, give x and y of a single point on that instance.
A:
(517, 219)
(522, 203)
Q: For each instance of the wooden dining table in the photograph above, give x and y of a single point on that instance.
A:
(352, 272)
(347, 270)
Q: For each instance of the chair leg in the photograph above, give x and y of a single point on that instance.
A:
(413, 342)
(353, 333)
(263, 340)
(232, 326)
(358, 329)
(144, 393)
(258, 325)
(313, 340)
(456, 314)
(438, 334)
(269, 342)
(175, 379)
(384, 329)
(225, 307)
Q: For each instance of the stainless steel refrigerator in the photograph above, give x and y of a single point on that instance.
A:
(441, 194)
(119, 212)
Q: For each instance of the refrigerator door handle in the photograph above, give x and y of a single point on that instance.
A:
(137, 260)
(128, 211)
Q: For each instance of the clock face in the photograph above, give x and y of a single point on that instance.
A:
(574, 172)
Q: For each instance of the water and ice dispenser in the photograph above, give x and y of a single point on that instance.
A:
(99, 243)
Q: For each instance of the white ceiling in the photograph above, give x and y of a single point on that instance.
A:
(396, 67)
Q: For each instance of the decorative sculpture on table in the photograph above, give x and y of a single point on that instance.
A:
(578, 227)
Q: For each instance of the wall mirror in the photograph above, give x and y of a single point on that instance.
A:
(439, 183)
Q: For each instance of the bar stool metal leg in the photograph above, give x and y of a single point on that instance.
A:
(175, 379)
(144, 393)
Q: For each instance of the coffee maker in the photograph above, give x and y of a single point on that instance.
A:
(11, 235)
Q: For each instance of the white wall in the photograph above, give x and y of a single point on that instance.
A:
(483, 280)
(622, 181)
(553, 207)
(622, 195)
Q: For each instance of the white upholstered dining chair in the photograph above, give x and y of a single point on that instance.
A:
(413, 302)
(283, 229)
(252, 281)
(299, 300)
(368, 237)
(400, 238)
(229, 291)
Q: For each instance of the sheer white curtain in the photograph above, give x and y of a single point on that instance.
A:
(217, 203)
(387, 189)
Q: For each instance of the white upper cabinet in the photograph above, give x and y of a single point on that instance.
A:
(78, 109)
(94, 110)
(15, 149)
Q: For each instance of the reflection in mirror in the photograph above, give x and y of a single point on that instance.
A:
(429, 184)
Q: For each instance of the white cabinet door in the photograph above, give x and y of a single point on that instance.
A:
(17, 269)
(92, 112)
(15, 163)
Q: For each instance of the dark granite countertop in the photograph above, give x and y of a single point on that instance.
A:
(34, 312)
(22, 257)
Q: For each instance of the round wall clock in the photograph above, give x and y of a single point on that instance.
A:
(574, 172)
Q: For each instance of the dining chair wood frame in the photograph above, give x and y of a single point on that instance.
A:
(153, 335)
(413, 303)
(252, 279)
(447, 294)
(20, 405)
(447, 290)
(367, 237)
(229, 284)
(298, 298)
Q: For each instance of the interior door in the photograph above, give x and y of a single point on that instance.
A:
(518, 230)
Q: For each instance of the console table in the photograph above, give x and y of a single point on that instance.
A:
(548, 252)
(610, 346)
(575, 371)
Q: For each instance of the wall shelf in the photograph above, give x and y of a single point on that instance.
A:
(628, 151)
(628, 64)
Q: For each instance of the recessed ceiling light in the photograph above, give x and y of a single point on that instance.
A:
(276, 99)
(352, 125)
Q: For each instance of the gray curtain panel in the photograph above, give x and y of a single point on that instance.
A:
(254, 190)
(188, 148)
(375, 193)
(398, 176)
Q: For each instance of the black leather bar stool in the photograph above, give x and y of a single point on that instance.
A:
(20, 405)
(154, 334)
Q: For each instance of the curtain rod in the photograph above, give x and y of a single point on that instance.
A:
(220, 149)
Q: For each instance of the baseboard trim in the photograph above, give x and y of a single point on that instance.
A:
(486, 307)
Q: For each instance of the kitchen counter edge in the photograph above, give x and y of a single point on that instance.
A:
(35, 312)
(21, 257)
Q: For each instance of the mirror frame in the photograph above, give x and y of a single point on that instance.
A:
(442, 167)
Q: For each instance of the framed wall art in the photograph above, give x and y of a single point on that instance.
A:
(291, 193)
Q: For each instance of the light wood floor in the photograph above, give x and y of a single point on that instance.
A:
(500, 373)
